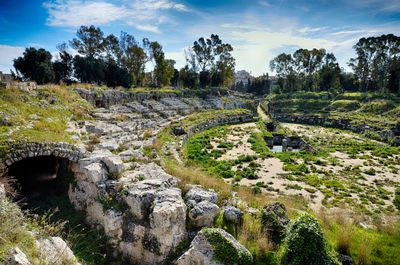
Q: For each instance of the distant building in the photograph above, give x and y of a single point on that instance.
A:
(243, 76)
(5, 77)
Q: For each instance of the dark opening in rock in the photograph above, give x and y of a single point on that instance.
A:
(37, 176)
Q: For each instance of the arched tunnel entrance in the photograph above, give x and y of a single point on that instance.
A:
(38, 178)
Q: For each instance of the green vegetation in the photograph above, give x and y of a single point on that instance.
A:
(41, 115)
(224, 251)
(305, 243)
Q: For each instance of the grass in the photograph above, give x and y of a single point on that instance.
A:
(41, 115)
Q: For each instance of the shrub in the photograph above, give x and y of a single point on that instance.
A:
(224, 250)
(396, 200)
(305, 244)
(274, 221)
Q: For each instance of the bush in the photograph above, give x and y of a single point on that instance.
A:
(224, 250)
(305, 244)
(396, 200)
(274, 221)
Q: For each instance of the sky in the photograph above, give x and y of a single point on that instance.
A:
(257, 30)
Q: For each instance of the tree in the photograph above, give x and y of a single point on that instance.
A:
(89, 41)
(115, 75)
(206, 50)
(211, 55)
(308, 63)
(225, 66)
(375, 58)
(187, 77)
(284, 66)
(205, 78)
(35, 65)
(164, 69)
(89, 69)
(112, 48)
(134, 57)
(329, 75)
(63, 67)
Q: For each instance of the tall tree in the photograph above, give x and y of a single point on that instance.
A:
(63, 67)
(284, 66)
(89, 42)
(134, 57)
(375, 58)
(164, 69)
(35, 65)
(206, 50)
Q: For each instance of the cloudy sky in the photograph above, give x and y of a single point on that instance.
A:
(258, 30)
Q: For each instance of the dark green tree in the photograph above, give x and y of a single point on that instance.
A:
(89, 69)
(35, 65)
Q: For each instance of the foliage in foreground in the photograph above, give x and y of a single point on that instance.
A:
(305, 244)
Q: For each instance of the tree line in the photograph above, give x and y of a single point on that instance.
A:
(375, 68)
(114, 61)
(121, 61)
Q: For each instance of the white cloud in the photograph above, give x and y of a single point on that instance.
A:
(144, 15)
(307, 29)
(264, 3)
(7, 54)
(148, 28)
(76, 13)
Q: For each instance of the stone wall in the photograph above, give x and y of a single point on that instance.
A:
(386, 134)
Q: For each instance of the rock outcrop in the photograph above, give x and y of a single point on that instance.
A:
(203, 250)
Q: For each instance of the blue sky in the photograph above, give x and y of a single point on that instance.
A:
(258, 30)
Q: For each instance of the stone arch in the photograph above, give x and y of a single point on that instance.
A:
(39, 168)
(18, 152)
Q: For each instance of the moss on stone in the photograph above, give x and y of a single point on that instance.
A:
(224, 250)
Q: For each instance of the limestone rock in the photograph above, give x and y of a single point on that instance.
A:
(113, 220)
(233, 214)
(15, 256)
(198, 194)
(201, 250)
(114, 164)
(56, 251)
(203, 213)
(110, 144)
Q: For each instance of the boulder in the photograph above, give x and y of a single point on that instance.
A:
(198, 194)
(15, 256)
(233, 214)
(114, 164)
(202, 250)
(203, 213)
(56, 251)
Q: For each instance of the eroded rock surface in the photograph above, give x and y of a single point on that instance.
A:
(138, 204)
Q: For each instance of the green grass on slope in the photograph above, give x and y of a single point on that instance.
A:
(40, 115)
